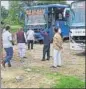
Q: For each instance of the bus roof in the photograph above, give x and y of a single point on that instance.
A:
(50, 5)
(57, 5)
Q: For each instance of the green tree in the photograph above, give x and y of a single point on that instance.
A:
(4, 13)
(15, 9)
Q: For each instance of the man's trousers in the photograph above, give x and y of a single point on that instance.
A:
(46, 50)
(9, 54)
(21, 49)
(57, 57)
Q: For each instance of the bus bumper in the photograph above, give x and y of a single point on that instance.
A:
(77, 46)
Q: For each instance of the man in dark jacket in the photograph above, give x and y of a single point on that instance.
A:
(21, 40)
(46, 48)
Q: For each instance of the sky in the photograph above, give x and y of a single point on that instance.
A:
(6, 4)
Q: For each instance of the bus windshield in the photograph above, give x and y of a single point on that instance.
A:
(36, 20)
(36, 17)
(78, 14)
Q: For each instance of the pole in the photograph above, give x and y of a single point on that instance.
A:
(1, 46)
(52, 19)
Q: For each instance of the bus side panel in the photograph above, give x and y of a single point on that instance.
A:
(51, 33)
(64, 29)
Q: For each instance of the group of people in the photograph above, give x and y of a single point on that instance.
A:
(28, 38)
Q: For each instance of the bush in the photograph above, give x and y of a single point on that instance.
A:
(14, 28)
(13, 22)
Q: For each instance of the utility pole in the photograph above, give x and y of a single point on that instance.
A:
(1, 56)
(53, 18)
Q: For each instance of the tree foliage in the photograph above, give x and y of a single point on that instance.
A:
(4, 13)
(14, 11)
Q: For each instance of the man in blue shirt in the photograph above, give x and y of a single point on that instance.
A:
(46, 48)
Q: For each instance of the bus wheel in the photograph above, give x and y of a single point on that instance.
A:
(41, 41)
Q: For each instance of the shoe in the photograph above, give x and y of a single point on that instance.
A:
(53, 67)
(9, 65)
(21, 60)
(48, 59)
(58, 66)
(3, 63)
(24, 57)
(43, 60)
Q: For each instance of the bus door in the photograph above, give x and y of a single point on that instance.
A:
(61, 21)
(64, 28)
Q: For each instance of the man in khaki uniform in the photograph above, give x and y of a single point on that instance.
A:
(57, 46)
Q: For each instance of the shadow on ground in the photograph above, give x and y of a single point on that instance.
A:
(80, 54)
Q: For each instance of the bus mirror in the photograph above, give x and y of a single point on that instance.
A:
(72, 14)
(67, 14)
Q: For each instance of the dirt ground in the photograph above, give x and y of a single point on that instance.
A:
(30, 72)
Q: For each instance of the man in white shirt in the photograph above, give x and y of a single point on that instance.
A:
(8, 46)
(30, 38)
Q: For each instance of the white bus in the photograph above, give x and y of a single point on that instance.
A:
(77, 26)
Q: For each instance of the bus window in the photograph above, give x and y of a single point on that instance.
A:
(79, 14)
(59, 14)
(67, 13)
(35, 17)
